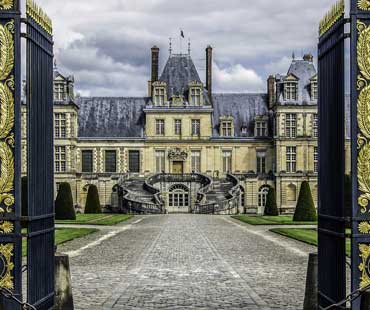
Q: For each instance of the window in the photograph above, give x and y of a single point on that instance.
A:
(291, 193)
(160, 161)
(316, 159)
(59, 94)
(87, 161)
(290, 91)
(315, 126)
(178, 127)
(227, 161)
(261, 162)
(314, 93)
(159, 96)
(227, 128)
(261, 129)
(159, 127)
(195, 127)
(291, 125)
(134, 161)
(291, 159)
(60, 159)
(110, 161)
(244, 130)
(195, 161)
(195, 96)
(262, 196)
(60, 125)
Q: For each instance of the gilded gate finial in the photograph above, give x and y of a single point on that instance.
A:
(363, 5)
(336, 12)
(39, 16)
(6, 4)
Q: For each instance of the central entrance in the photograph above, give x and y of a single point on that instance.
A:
(178, 167)
(179, 199)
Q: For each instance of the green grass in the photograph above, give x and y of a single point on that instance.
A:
(63, 235)
(308, 236)
(97, 219)
(270, 220)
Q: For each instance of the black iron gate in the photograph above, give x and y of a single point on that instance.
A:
(39, 102)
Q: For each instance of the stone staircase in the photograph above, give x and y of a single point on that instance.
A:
(136, 190)
(219, 192)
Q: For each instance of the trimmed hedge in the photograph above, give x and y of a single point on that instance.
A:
(92, 201)
(271, 205)
(305, 210)
(64, 209)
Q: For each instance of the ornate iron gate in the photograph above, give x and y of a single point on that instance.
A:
(39, 101)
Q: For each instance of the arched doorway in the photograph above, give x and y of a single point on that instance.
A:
(178, 199)
(262, 198)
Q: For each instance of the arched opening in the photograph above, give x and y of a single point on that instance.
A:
(179, 197)
(262, 195)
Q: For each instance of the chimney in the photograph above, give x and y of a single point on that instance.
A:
(308, 57)
(155, 63)
(209, 70)
(271, 90)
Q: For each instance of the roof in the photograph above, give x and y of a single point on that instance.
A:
(104, 117)
(242, 107)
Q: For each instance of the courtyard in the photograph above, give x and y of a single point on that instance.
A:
(187, 262)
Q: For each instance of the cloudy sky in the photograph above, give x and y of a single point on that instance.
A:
(106, 44)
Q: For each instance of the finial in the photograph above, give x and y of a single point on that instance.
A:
(293, 56)
(55, 64)
(170, 43)
(189, 46)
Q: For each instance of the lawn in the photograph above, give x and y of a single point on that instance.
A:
(63, 235)
(305, 235)
(97, 219)
(270, 220)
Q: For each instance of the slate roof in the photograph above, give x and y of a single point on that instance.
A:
(102, 117)
(243, 107)
(304, 70)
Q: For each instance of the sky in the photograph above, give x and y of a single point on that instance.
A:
(106, 44)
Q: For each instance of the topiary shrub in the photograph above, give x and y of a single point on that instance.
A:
(305, 210)
(92, 201)
(271, 208)
(64, 209)
(24, 199)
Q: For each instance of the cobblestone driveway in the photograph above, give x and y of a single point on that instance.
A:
(189, 262)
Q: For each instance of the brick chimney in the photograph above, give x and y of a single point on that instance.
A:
(308, 57)
(209, 70)
(271, 90)
(155, 63)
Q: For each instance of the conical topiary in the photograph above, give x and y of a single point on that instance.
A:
(64, 209)
(305, 210)
(271, 208)
(92, 201)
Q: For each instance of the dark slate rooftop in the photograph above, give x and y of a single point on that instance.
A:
(304, 70)
(243, 107)
(102, 117)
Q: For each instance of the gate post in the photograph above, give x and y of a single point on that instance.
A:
(10, 151)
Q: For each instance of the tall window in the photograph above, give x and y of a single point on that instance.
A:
(178, 127)
(291, 125)
(59, 94)
(159, 96)
(110, 161)
(315, 126)
(261, 162)
(60, 159)
(227, 161)
(261, 129)
(195, 127)
(195, 161)
(291, 159)
(60, 127)
(160, 161)
(134, 161)
(262, 196)
(316, 159)
(314, 92)
(195, 95)
(227, 128)
(87, 161)
(290, 91)
(159, 127)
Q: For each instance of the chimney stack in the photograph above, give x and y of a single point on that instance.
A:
(271, 90)
(209, 70)
(155, 63)
(308, 57)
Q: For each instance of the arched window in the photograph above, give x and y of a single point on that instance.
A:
(262, 195)
(291, 193)
(179, 196)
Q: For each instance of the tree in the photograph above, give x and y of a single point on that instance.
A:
(92, 201)
(305, 210)
(271, 205)
(24, 199)
(64, 209)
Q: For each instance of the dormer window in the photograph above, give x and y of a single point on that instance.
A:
(159, 93)
(244, 130)
(261, 126)
(291, 88)
(195, 94)
(314, 89)
(227, 126)
(59, 92)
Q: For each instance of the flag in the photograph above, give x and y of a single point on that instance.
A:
(182, 34)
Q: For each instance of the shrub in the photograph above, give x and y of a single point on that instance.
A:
(271, 206)
(64, 209)
(305, 210)
(92, 201)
